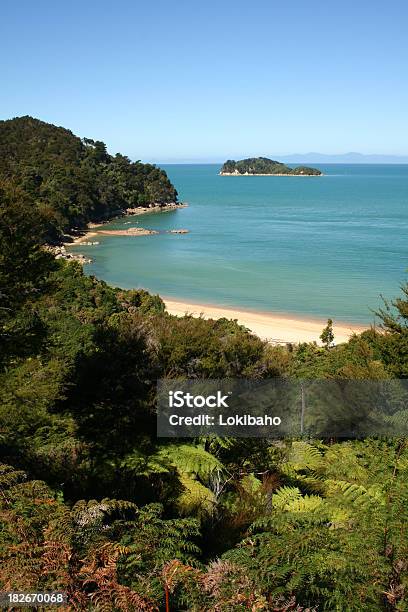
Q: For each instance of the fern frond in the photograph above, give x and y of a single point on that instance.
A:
(195, 498)
(357, 494)
(284, 496)
(305, 456)
(191, 459)
(308, 503)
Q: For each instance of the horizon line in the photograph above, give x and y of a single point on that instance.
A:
(197, 162)
(311, 157)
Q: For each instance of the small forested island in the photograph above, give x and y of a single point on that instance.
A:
(265, 166)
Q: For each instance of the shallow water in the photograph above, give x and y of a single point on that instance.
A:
(322, 246)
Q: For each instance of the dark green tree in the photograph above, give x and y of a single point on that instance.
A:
(327, 335)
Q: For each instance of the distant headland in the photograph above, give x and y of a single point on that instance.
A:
(264, 167)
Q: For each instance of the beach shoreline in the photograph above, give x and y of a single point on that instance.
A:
(91, 230)
(82, 238)
(277, 328)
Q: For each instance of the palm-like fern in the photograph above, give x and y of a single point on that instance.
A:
(196, 468)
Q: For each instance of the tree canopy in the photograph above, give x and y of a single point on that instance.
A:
(73, 181)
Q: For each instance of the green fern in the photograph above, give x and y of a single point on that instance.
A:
(195, 498)
(284, 496)
(191, 459)
(196, 468)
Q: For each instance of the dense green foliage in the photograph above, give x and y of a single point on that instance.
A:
(72, 181)
(263, 165)
(94, 504)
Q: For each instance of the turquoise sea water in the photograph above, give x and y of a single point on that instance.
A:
(321, 246)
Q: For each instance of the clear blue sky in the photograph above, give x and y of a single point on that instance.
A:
(169, 80)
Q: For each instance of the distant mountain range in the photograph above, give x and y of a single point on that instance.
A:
(303, 158)
(345, 158)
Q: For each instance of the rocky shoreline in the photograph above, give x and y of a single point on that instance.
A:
(138, 231)
(142, 210)
(60, 252)
(82, 236)
(132, 231)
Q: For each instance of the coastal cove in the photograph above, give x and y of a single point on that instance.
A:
(319, 249)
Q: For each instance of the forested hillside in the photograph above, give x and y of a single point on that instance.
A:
(264, 165)
(92, 503)
(73, 181)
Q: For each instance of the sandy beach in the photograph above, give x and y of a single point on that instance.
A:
(277, 328)
(85, 237)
